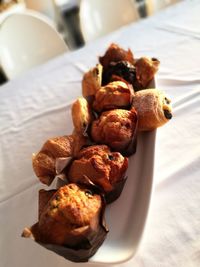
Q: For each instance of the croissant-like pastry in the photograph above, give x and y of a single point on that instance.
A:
(92, 80)
(81, 115)
(116, 94)
(153, 108)
(44, 162)
(115, 53)
(145, 70)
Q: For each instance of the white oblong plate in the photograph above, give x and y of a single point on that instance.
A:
(126, 217)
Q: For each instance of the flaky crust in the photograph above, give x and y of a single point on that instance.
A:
(115, 128)
(114, 95)
(81, 115)
(44, 161)
(103, 167)
(92, 80)
(146, 68)
(153, 108)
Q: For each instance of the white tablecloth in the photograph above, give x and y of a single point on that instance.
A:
(33, 108)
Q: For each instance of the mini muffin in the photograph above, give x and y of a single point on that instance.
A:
(72, 220)
(92, 80)
(101, 166)
(116, 94)
(146, 68)
(44, 162)
(116, 128)
(81, 115)
(118, 71)
(153, 108)
(115, 53)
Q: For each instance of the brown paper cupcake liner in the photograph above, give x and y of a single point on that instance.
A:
(89, 244)
(132, 146)
(80, 253)
(116, 192)
(109, 196)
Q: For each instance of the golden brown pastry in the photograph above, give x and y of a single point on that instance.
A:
(44, 162)
(153, 108)
(103, 167)
(116, 94)
(115, 128)
(70, 208)
(92, 80)
(115, 53)
(146, 69)
(71, 222)
(81, 115)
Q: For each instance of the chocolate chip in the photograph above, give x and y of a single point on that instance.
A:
(167, 100)
(127, 125)
(123, 69)
(154, 59)
(110, 157)
(168, 114)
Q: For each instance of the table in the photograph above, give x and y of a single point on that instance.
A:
(33, 108)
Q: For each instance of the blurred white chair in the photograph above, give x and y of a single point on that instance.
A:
(99, 17)
(45, 7)
(26, 40)
(156, 5)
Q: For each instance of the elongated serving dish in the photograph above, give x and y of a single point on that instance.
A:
(127, 216)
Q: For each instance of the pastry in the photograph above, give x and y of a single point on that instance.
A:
(70, 222)
(44, 162)
(146, 68)
(116, 94)
(121, 70)
(92, 80)
(115, 128)
(153, 108)
(81, 115)
(102, 167)
(115, 53)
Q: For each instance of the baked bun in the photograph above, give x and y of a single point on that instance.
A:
(92, 80)
(70, 222)
(101, 166)
(146, 68)
(115, 128)
(81, 115)
(153, 108)
(44, 162)
(116, 94)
